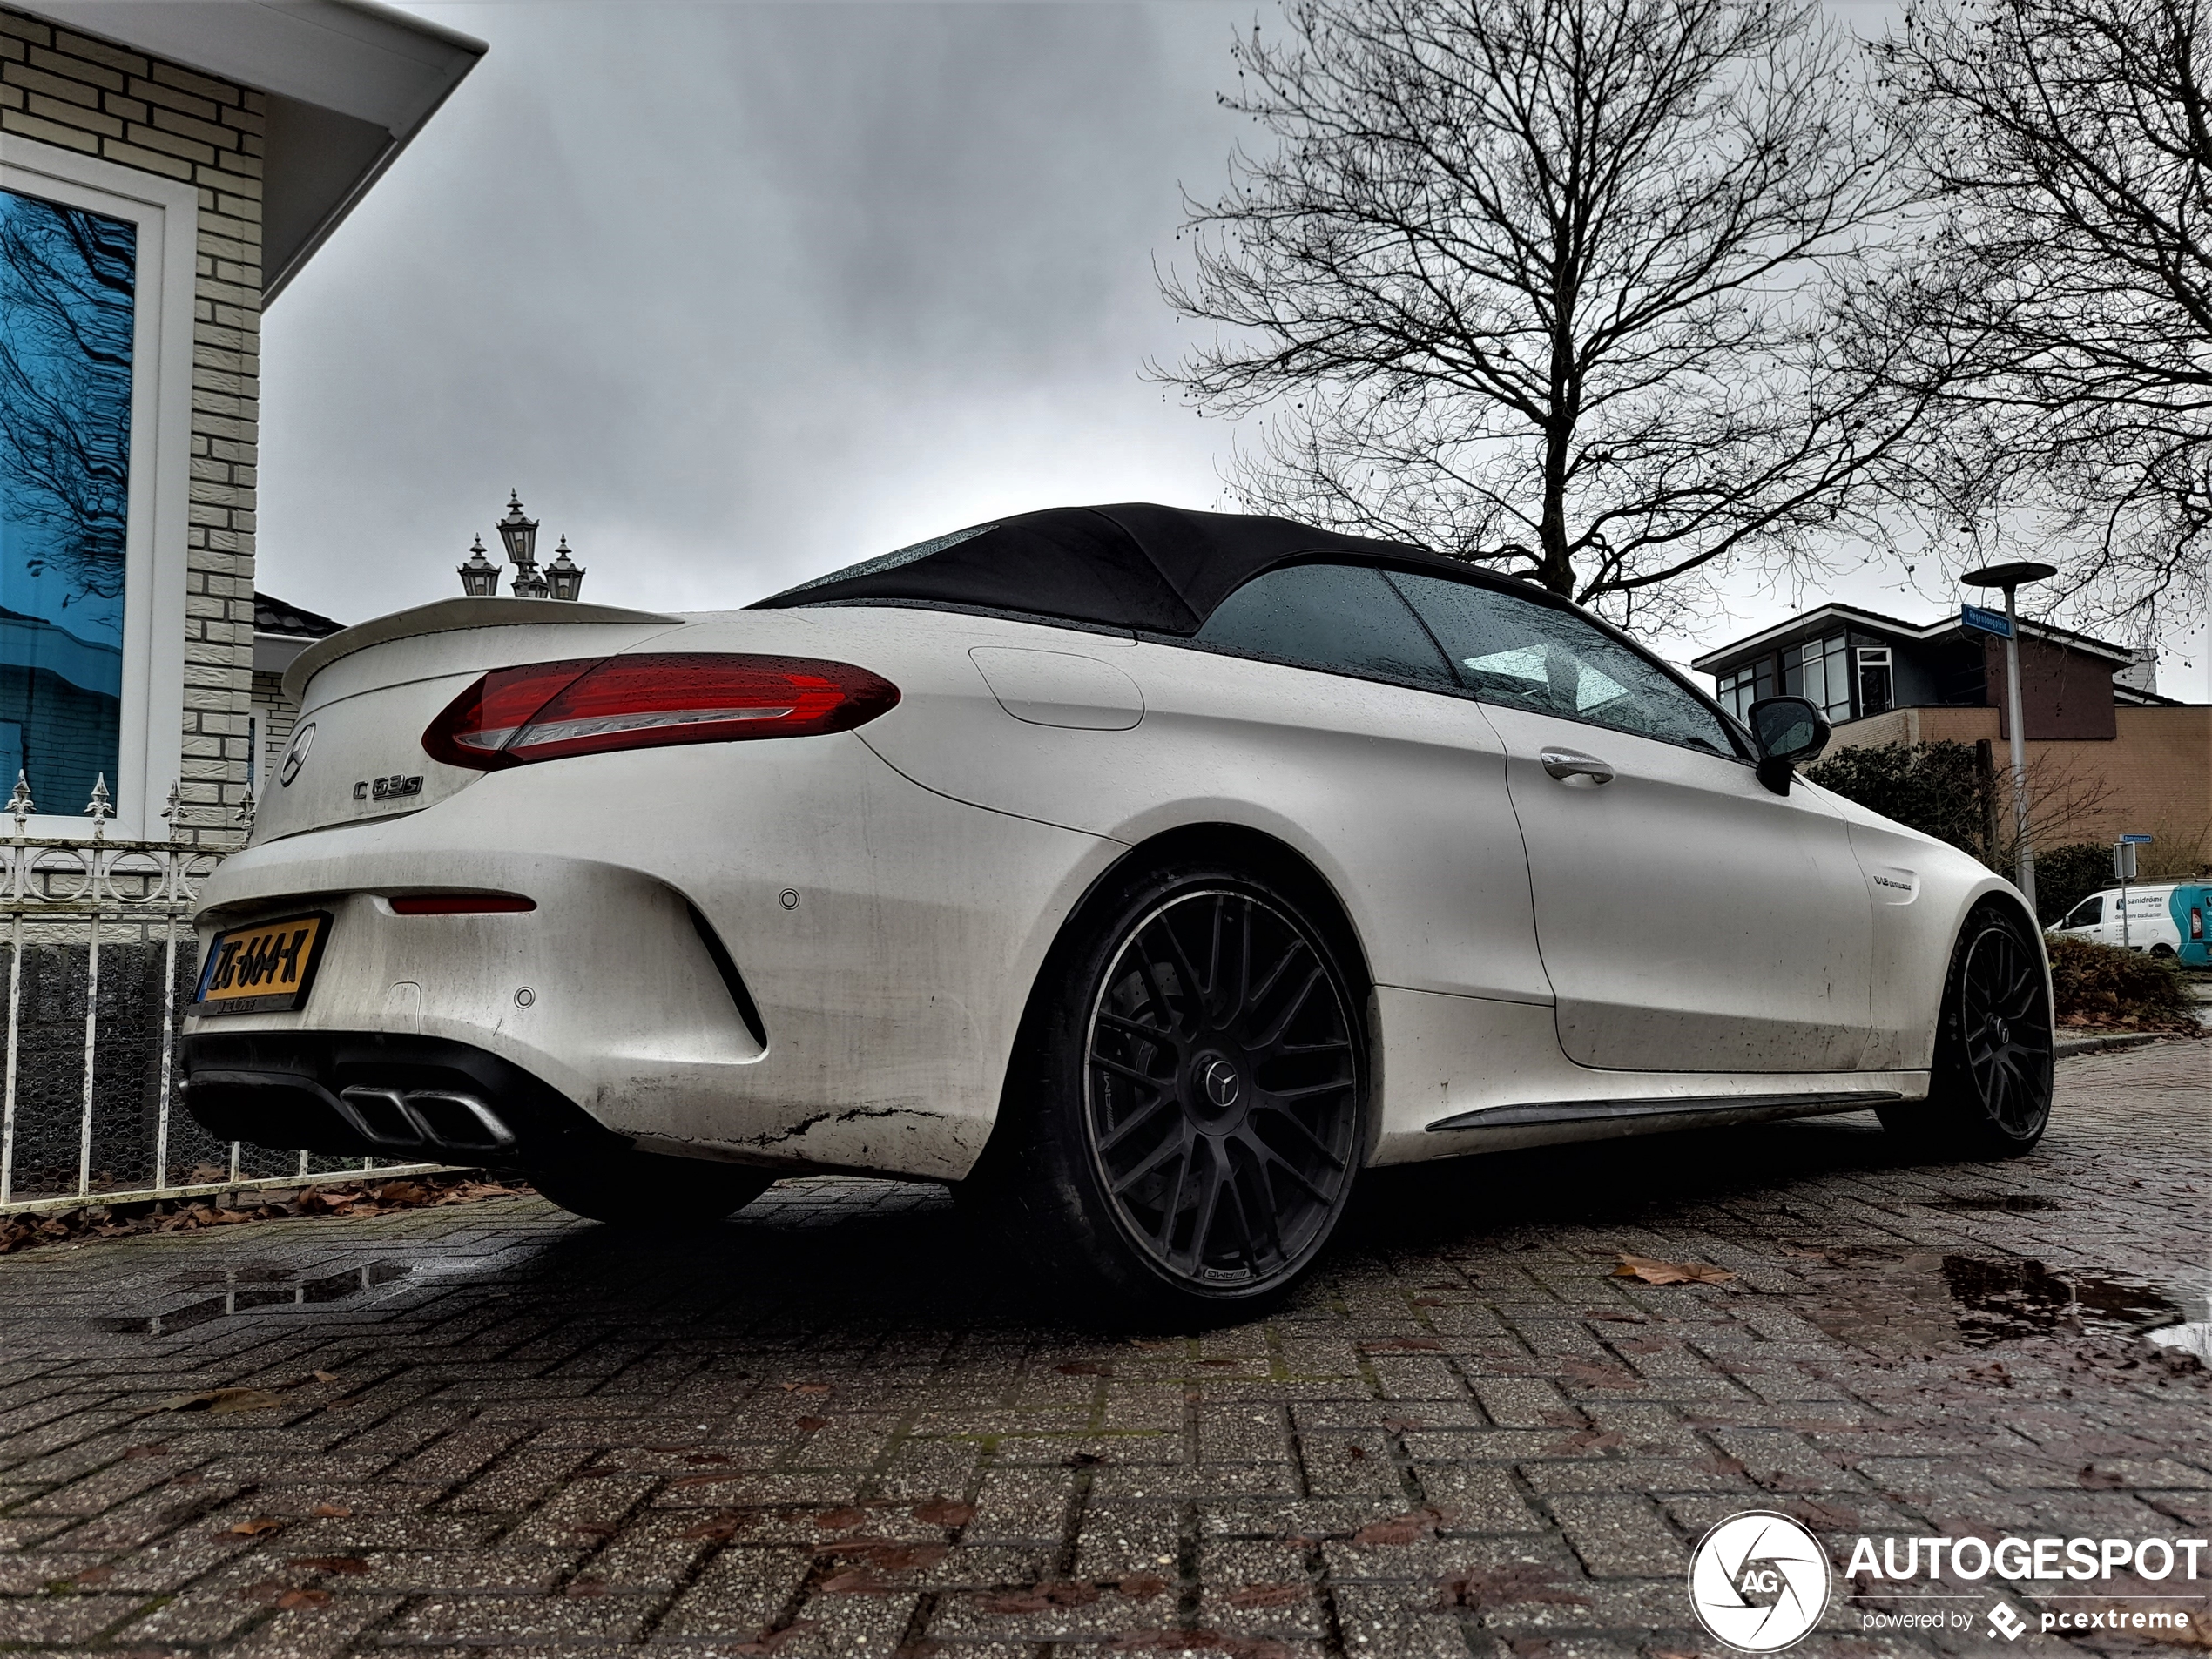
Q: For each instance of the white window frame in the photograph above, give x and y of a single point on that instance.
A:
(150, 738)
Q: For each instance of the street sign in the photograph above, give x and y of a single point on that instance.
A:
(2123, 869)
(1989, 622)
(2139, 841)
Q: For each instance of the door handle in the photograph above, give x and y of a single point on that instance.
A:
(1564, 764)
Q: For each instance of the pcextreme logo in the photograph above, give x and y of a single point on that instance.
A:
(1759, 1581)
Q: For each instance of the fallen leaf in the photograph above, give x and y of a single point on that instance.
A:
(855, 1581)
(944, 1512)
(1410, 1527)
(330, 1511)
(1614, 1315)
(1038, 1597)
(257, 1526)
(291, 1601)
(1142, 1586)
(840, 1520)
(709, 1457)
(325, 1376)
(595, 1528)
(1654, 1271)
(217, 1402)
(330, 1563)
(1591, 1374)
(721, 1529)
(808, 1424)
(1254, 1595)
(93, 1576)
(586, 1586)
(806, 1388)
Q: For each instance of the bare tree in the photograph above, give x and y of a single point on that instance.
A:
(2068, 275)
(1553, 284)
(66, 282)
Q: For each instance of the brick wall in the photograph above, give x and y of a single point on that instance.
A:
(274, 715)
(76, 94)
(2153, 776)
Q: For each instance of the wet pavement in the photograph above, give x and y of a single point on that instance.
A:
(833, 1426)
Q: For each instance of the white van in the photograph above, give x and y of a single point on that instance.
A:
(2148, 924)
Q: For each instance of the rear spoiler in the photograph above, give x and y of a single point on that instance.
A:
(445, 617)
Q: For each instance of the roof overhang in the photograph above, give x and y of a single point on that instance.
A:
(349, 83)
(1874, 621)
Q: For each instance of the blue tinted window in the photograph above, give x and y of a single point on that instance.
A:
(67, 307)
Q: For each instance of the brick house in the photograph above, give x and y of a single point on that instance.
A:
(2097, 730)
(166, 166)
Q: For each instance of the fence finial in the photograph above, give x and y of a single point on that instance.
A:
(245, 811)
(99, 809)
(173, 813)
(19, 805)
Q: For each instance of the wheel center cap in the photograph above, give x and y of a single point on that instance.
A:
(1999, 1030)
(1221, 1083)
(1214, 1093)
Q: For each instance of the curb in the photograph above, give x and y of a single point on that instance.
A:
(2068, 1048)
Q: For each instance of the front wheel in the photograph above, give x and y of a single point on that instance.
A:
(1990, 1093)
(1189, 1111)
(646, 1191)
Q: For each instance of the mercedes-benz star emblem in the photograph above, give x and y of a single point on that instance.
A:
(1223, 1084)
(1759, 1581)
(296, 755)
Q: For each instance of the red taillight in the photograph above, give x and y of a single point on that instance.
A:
(459, 904)
(546, 711)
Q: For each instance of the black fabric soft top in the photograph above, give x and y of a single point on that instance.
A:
(1155, 570)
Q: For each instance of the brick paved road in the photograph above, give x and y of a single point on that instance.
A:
(831, 1428)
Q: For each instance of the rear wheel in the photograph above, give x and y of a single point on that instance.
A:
(1990, 1094)
(649, 1192)
(1189, 1111)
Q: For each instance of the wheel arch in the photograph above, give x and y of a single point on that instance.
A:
(1249, 849)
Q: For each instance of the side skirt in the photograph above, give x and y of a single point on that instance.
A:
(1548, 1123)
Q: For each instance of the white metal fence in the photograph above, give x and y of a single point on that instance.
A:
(100, 961)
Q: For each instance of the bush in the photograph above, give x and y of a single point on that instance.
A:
(2067, 875)
(2104, 985)
(1940, 789)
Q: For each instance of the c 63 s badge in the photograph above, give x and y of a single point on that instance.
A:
(392, 788)
(1759, 1581)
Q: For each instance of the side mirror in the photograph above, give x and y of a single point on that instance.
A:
(1791, 732)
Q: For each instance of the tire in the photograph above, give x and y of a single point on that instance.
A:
(2165, 951)
(648, 1192)
(1187, 1107)
(1990, 1092)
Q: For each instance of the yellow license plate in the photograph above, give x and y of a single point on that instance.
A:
(267, 968)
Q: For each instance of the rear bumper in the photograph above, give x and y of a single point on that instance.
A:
(378, 1093)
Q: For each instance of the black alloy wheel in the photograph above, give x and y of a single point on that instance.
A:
(1189, 1111)
(1221, 1089)
(1990, 1094)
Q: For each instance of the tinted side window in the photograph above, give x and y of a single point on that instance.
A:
(2088, 913)
(1341, 618)
(1529, 656)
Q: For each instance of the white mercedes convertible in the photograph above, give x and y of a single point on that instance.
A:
(1146, 874)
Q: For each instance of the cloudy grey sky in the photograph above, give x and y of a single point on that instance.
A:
(736, 294)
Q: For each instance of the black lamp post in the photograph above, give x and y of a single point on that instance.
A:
(564, 574)
(519, 531)
(480, 576)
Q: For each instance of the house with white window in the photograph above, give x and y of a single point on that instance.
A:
(166, 167)
(2096, 724)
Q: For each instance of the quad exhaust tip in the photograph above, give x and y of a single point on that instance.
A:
(419, 1118)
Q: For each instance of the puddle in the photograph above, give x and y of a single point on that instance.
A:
(1930, 1304)
(255, 1285)
(2017, 1203)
